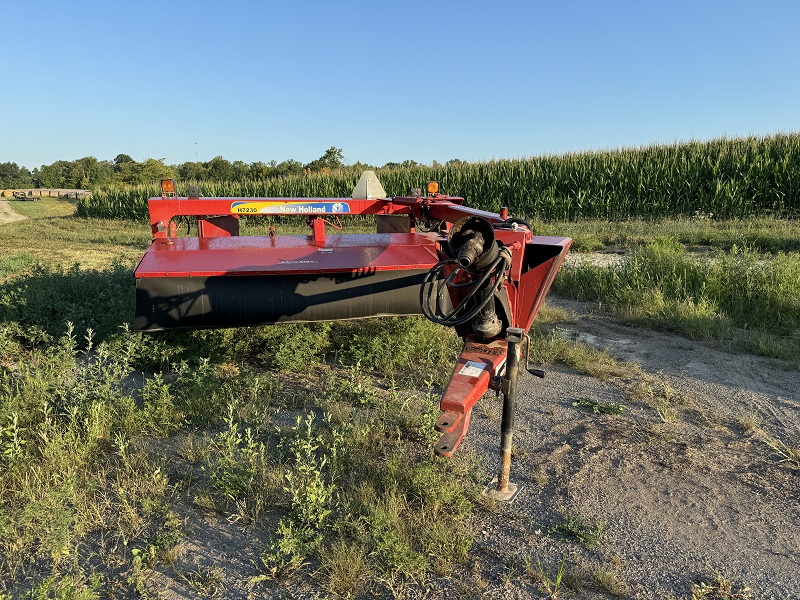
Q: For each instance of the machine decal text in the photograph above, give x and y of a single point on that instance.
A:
(288, 208)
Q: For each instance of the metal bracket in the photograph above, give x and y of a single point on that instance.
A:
(535, 372)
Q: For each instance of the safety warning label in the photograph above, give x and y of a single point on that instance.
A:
(472, 369)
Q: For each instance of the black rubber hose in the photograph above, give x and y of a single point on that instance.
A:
(508, 223)
(451, 319)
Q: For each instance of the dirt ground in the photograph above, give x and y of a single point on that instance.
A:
(688, 493)
(8, 214)
(685, 484)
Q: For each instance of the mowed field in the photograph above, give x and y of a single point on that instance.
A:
(659, 458)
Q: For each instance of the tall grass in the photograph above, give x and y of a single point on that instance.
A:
(738, 296)
(724, 177)
(761, 234)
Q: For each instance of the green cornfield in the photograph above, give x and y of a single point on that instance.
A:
(726, 178)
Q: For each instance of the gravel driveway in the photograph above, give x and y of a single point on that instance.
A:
(689, 482)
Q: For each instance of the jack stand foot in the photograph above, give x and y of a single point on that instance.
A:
(491, 491)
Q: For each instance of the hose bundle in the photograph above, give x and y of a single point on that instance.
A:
(430, 292)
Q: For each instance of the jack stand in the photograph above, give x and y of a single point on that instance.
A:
(500, 488)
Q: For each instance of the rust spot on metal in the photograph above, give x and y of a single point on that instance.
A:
(483, 349)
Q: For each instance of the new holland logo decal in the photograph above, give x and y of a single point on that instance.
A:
(243, 207)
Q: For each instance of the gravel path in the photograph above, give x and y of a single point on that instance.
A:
(8, 214)
(701, 494)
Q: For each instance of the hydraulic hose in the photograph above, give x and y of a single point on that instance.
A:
(511, 222)
(432, 311)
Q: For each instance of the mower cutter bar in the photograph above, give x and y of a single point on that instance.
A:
(239, 281)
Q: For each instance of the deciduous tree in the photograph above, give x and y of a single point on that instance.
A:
(332, 159)
(13, 176)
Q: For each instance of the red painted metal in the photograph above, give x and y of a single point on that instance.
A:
(257, 255)
(220, 251)
(225, 225)
(478, 363)
(318, 227)
(162, 210)
(547, 255)
(445, 208)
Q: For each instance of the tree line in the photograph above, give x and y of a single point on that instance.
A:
(88, 172)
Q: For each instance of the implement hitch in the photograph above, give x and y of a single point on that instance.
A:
(483, 273)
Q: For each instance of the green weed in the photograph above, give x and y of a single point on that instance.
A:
(609, 580)
(351, 482)
(206, 581)
(15, 263)
(48, 297)
(764, 234)
(575, 528)
(71, 470)
(786, 453)
(241, 473)
(548, 347)
(551, 586)
(344, 568)
(748, 421)
(285, 347)
(66, 587)
(657, 394)
(540, 477)
(408, 349)
(314, 456)
(606, 408)
(12, 438)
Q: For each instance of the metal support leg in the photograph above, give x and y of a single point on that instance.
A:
(501, 488)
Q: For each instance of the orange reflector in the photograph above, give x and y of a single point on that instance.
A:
(168, 186)
(433, 187)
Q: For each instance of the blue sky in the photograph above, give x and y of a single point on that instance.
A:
(389, 81)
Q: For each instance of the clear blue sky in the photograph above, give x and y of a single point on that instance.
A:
(389, 81)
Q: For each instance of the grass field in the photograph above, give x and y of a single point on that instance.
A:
(53, 238)
(731, 282)
(317, 436)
